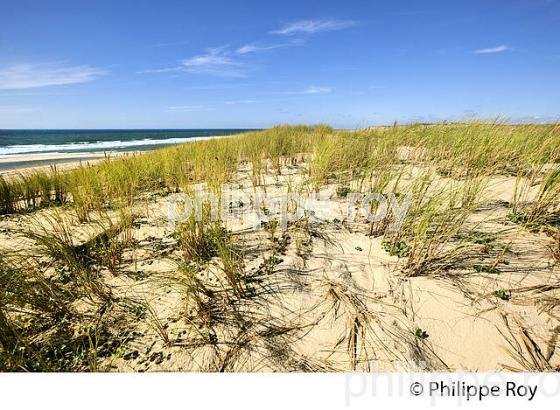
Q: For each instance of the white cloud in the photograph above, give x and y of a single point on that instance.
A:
(216, 61)
(311, 90)
(252, 48)
(313, 26)
(213, 57)
(24, 76)
(492, 50)
(222, 61)
(249, 48)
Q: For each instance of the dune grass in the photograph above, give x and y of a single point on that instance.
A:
(444, 167)
(458, 149)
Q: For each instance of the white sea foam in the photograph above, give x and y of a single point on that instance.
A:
(11, 151)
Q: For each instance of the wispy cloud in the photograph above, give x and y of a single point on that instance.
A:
(249, 48)
(313, 26)
(214, 57)
(24, 76)
(216, 61)
(252, 48)
(311, 90)
(492, 50)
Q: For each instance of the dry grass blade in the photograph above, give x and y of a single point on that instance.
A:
(523, 349)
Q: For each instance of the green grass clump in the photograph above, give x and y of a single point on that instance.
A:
(7, 200)
(197, 240)
(538, 207)
(434, 221)
(54, 239)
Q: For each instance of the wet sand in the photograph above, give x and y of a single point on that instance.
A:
(18, 164)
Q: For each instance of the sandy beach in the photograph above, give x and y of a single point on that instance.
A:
(24, 164)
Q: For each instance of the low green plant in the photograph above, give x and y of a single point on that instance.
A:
(517, 217)
(481, 238)
(486, 269)
(343, 191)
(398, 248)
(421, 334)
(503, 294)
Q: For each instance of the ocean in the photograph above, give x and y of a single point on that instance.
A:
(22, 147)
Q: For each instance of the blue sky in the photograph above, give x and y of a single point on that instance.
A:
(220, 64)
